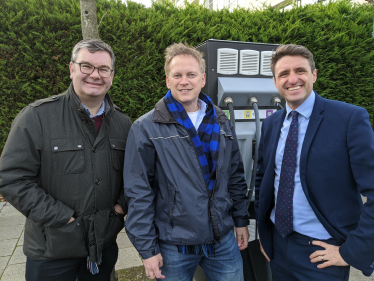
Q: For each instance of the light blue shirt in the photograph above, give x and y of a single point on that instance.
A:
(304, 219)
(200, 114)
(101, 110)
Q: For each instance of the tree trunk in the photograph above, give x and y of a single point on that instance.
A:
(89, 19)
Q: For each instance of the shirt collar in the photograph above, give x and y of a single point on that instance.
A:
(101, 110)
(202, 105)
(306, 108)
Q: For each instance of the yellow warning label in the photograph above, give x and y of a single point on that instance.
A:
(247, 114)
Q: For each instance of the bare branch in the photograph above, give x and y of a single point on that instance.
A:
(103, 17)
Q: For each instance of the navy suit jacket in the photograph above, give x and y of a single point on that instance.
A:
(336, 165)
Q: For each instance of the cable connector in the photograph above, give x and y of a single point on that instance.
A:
(228, 100)
(252, 100)
(275, 100)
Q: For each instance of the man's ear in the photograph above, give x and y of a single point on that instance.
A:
(275, 82)
(71, 65)
(315, 75)
(204, 80)
(167, 82)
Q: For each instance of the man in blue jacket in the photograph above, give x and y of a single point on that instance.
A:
(184, 180)
(316, 157)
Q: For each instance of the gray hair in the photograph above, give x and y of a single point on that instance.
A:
(183, 49)
(93, 45)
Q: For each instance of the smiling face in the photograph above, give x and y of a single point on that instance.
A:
(294, 79)
(90, 86)
(185, 81)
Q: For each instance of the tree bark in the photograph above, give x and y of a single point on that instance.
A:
(89, 19)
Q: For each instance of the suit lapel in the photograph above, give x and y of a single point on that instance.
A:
(275, 134)
(314, 122)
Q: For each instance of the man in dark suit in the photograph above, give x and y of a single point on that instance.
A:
(316, 157)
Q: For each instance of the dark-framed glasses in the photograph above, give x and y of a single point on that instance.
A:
(86, 68)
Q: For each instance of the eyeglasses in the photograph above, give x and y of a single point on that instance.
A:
(86, 68)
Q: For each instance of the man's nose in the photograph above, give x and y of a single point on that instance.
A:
(184, 80)
(293, 78)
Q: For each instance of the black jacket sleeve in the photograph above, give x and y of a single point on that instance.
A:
(19, 170)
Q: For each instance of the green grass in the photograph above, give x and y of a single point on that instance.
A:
(133, 274)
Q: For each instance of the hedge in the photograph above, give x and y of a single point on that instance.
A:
(36, 38)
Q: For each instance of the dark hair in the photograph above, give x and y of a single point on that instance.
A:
(93, 45)
(291, 50)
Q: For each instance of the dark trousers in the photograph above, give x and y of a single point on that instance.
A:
(291, 260)
(71, 269)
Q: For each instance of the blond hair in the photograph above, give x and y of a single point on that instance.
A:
(178, 49)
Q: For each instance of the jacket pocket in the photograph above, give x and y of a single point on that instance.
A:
(347, 219)
(115, 225)
(67, 241)
(118, 147)
(172, 203)
(68, 156)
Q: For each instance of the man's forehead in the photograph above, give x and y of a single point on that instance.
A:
(86, 54)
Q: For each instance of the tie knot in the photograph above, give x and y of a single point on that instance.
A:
(294, 114)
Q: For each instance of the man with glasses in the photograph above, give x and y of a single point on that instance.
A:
(62, 168)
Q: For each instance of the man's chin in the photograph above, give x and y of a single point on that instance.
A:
(94, 94)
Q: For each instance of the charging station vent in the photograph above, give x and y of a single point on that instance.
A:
(227, 61)
(265, 63)
(249, 62)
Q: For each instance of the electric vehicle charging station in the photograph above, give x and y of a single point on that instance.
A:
(239, 80)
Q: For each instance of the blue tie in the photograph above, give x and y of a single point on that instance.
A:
(284, 206)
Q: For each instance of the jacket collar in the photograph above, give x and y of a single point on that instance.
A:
(77, 106)
(162, 115)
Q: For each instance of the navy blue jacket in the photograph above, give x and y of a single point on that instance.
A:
(166, 192)
(336, 165)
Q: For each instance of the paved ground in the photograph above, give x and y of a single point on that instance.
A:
(12, 259)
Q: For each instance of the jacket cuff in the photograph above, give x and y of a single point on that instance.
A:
(366, 268)
(148, 254)
(241, 222)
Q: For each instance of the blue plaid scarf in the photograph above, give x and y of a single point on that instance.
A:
(206, 143)
(93, 267)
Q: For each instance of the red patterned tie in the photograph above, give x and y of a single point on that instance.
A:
(284, 206)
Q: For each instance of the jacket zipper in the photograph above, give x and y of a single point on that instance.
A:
(211, 196)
